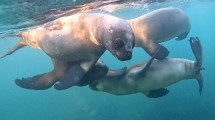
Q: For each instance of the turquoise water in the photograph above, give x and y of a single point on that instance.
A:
(80, 103)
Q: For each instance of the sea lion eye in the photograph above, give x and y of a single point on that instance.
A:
(119, 43)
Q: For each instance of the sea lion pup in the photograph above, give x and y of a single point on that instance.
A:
(151, 78)
(74, 44)
(159, 26)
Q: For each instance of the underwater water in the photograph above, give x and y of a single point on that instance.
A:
(81, 103)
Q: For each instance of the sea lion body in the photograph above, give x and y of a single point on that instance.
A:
(160, 74)
(76, 37)
(75, 43)
(156, 76)
(159, 26)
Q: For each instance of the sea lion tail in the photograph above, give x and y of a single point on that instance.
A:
(197, 51)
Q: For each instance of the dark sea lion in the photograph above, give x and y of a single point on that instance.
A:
(151, 78)
(159, 26)
(74, 44)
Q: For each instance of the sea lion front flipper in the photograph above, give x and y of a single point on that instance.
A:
(162, 52)
(38, 82)
(97, 71)
(141, 71)
(71, 77)
(157, 93)
(46, 80)
(151, 48)
(74, 75)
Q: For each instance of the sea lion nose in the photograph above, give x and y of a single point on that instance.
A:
(126, 56)
(129, 54)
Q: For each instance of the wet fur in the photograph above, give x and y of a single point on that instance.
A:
(159, 26)
(78, 42)
(159, 75)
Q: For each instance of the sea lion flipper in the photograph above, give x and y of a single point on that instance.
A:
(144, 69)
(38, 82)
(157, 93)
(197, 49)
(97, 71)
(162, 52)
(15, 48)
(152, 48)
(74, 75)
(71, 77)
(46, 80)
(199, 79)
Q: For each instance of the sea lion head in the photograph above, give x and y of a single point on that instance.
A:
(118, 38)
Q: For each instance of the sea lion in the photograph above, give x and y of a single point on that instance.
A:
(151, 78)
(74, 44)
(159, 26)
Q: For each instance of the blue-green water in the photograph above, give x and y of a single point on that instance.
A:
(80, 103)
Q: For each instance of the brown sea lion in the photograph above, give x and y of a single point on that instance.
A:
(155, 27)
(74, 44)
(159, 26)
(152, 77)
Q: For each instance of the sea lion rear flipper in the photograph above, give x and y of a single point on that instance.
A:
(197, 49)
(16, 47)
(199, 79)
(157, 93)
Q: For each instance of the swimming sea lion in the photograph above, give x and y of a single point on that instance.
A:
(151, 78)
(75, 43)
(159, 26)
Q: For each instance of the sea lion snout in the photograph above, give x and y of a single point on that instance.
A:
(122, 48)
(117, 36)
(123, 56)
